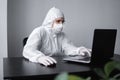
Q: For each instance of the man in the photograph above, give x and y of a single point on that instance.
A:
(49, 40)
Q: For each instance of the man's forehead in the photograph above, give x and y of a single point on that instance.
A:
(60, 18)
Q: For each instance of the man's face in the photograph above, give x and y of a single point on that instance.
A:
(58, 21)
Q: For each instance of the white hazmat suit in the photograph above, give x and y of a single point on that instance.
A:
(46, 41)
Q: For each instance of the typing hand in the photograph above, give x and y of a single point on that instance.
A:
(46, 60)
(84, 52)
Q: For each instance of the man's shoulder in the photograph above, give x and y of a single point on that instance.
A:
(39, 29)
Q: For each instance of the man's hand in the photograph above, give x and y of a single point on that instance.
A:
(84, 52)
(46, 60)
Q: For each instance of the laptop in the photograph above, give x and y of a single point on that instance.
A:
(102, 47)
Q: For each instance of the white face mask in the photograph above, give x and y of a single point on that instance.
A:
(57, 28)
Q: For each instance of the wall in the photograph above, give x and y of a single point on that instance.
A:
(3, 34)
(82, 17)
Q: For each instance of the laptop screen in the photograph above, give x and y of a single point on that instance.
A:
(103, 45)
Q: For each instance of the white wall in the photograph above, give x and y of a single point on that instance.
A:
(82, 17)
(3, 34)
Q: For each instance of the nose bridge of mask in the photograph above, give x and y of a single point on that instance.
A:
(57, 28)
(60, 25)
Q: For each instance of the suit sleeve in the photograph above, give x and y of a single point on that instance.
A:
(68, 47)
(31, 49)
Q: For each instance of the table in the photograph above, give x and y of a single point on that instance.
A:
(20, 68)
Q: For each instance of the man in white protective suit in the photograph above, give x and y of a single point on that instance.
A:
(49, 40)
